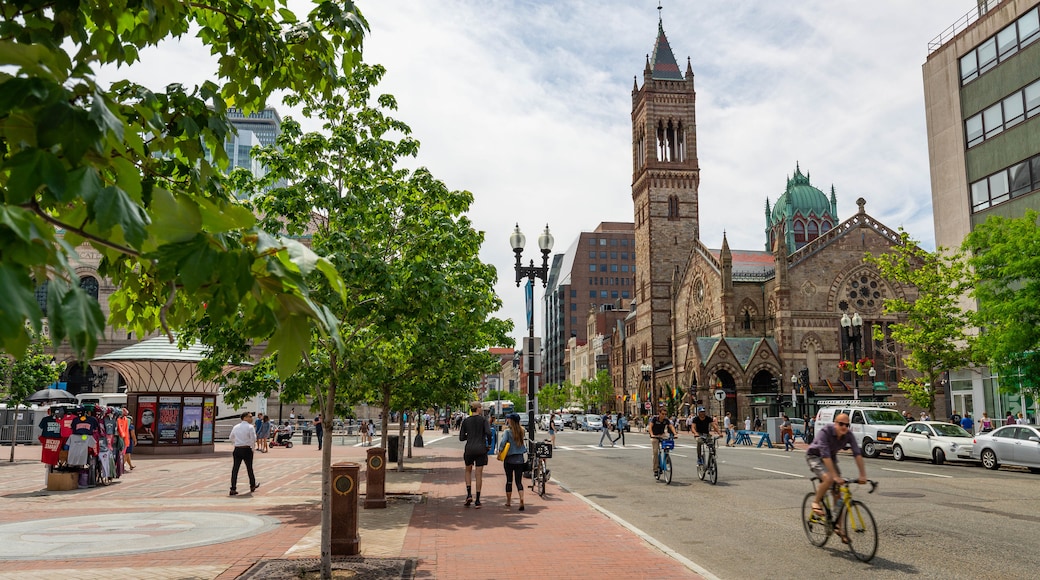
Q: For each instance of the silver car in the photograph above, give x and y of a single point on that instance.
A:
(1009, 445)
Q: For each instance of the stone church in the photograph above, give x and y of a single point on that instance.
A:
(752, 323)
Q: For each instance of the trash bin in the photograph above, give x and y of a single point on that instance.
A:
(307, 434)
(392, 442)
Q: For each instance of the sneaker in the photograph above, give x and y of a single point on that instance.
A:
(233, 492)
(253, 488)
(700, 462)
(477, 504)
(469, 500)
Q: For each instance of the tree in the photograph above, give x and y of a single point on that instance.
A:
(20, 378)
(596, 392)
(1005, 261)
(553, 397)
(935, 333)
(133, 172)
(416, 326)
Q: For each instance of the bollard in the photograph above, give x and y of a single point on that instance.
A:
(345, 541)
(375, 479)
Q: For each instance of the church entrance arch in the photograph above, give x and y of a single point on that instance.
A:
(763, 394)
(726, 382)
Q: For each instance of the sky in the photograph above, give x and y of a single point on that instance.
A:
(527, 104)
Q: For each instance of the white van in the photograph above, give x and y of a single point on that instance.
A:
(874, 425)
(102, 399)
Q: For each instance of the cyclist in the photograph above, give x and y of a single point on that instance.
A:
(702, 427)
(660, 425)
(822, 457)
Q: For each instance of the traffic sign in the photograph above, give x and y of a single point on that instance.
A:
(720, 395)
(646, 405)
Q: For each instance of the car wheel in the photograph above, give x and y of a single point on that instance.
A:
(938, 457)
(897, 453)
(1034, 470)
(870, 449)
(989, 459)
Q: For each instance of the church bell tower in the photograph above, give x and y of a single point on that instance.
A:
(665, 178)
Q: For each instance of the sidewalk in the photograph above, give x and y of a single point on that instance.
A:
(172, 518)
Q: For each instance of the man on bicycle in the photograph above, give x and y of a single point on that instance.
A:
(659, 425)
(822, 457)
(702, 427)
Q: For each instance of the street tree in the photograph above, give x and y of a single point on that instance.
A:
(935, 334)
(22, 377)
(553, 397)
(596, 392)
(1005, 261)
(417, 322)
(132, 171)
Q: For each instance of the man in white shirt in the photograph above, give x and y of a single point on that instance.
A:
(243, 437)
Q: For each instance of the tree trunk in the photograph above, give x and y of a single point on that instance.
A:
(14, 434)
(329, 408)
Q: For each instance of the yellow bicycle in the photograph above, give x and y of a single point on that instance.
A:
(850, 519)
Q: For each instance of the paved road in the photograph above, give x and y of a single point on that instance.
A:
(934, 521)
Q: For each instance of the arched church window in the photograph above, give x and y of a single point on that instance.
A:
(814, 231)
(825, 227)
(89, 284)
(41, 297)
(747, 320)
(673, 207)
(799, 232)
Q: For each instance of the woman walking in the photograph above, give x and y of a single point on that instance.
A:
(514, 461)
(265, 434)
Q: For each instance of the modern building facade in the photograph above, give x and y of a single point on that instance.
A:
(596, 272)
(982, 101)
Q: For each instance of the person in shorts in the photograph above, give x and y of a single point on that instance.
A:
(476, 432)
(822, 457)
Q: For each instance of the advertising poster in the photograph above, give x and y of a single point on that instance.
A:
(169, 419)
(207, 421)
(191, 426)
(145, 420)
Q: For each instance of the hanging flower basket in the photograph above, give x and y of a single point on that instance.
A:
(863, 366)
(845, 366)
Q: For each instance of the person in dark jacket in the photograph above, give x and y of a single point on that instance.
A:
(476, 432)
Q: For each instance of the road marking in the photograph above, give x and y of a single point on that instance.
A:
(643, 535)
(438, 439)
(678, 455)
(915, 472)
(775, 455)
(780, 472)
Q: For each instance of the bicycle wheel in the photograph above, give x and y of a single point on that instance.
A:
(702, 470)
(817, 528)
(540, 478)
(862, 531)
(667, 473)
(713, 469)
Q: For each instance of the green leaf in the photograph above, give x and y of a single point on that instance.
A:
(82, 182)
(83, 320)
(18, 220)
(223, 218)
(173, 219)
(106, 121)
(114, 207)
(19, 303)
(289, 341)
(31, 169)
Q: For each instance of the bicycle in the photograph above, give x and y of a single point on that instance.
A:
(540, 473)
(664, 460)
(852, 520)
(709, 467)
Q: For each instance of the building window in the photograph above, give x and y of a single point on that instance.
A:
(613, 255)
(614, 294)
(602, 293)
(89, 284)
(1014, 181)
(613, 241)
(813, 232)
(673, 207)
(799, 232)
(574, 306)
(1000, 47)
(592, 293)
(592, 241)
(574, 293)
(592, 255)
(602, 267)
(603, 241)
(41, 297)
(624, 293)
(613, 267)
(592, 267)
(624, 242)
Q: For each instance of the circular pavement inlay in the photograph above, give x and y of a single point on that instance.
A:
(125, 533)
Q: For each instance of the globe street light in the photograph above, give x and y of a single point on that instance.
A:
(648, 374)
(852, 328)
(545, 244)
(873, 373)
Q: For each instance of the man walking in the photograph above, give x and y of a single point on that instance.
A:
(319, 430)
(476, 432)
(243, 437)
(621, 424)
(604, 429)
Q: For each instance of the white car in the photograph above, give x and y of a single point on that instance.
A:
(1009, 445)
(591, 423)
(933, 440)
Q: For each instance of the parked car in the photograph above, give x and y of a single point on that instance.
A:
(1009, 445)
(566, 420)
(591, 423)
(799, 427)
(933, 440)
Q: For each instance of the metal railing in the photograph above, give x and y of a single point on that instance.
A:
(962, 23)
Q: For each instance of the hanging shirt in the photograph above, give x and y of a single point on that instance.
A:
(84, 425)
(50, 428)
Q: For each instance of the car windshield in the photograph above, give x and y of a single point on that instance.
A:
(950, 430)
(884, 417)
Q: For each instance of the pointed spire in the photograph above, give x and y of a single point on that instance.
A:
(664, 67)
(689, 68)
(635, 84)
(834, 204)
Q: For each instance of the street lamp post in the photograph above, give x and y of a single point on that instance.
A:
(545, 244)
(648, 375)
(794, 389)
(853, 331)
(873, 373)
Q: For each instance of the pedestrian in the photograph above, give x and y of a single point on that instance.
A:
(985, 423)
(604, 430)
(727, 424)
(319, 430)
(1022, 419)
(747, 423)
(243, 437)
(476, 432)
(1010, 419)
(758, 423)
(370, 432)
(131, 439)
(514, 462)
(621, 424)
(265, 434)
(968, 424)
(552, 428)
(787, 433)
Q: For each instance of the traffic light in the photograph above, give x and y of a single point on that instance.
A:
(775, 382)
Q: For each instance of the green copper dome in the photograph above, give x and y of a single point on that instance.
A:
(800, 198)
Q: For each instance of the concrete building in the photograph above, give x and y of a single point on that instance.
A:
(596, 272)
(982, 101)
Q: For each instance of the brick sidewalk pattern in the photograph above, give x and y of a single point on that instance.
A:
(555, 533)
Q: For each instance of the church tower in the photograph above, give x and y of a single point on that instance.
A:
(665, 177)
